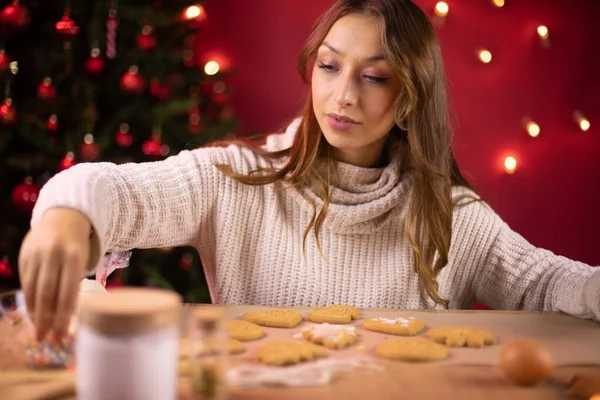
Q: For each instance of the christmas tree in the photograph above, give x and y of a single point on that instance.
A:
(98, 80)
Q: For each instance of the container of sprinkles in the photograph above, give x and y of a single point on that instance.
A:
(128, 345)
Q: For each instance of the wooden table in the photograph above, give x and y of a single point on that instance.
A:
(426, 381)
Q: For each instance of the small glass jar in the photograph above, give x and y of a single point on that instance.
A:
(127, 345)
(208, 354)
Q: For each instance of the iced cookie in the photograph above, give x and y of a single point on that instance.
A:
(461, 336)
(244, 330)
(286, 352)
(274, 318)
(412, 349)
(330, 316)
(343, 308)
(332, 336)
(401, 326)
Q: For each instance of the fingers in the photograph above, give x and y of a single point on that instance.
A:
(28, 272)
(46, 293)
(68, 287)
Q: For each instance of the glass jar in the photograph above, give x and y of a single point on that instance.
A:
(208, 354)
(127, 345)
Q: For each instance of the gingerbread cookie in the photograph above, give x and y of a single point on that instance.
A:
(332, 336)
(343, 308)
(412, 349)
(274, 318)
(330, 316)
(401, 326)
(461, 336)
(286, 352)
(244, 330)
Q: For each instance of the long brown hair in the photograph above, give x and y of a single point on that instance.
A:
(422, 127)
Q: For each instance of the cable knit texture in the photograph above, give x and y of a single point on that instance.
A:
(250, 237)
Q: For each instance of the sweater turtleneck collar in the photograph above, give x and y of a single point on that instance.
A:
(362, 199)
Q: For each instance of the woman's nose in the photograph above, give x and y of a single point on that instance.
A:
(346, 93)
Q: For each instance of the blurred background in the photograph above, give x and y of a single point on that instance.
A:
(141, 80)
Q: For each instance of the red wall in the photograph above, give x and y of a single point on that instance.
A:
(553, 199)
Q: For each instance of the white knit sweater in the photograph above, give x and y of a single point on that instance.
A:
(250, 237)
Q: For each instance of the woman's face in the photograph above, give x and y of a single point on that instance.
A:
(354, 89)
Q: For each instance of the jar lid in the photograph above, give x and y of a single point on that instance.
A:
(130, 310)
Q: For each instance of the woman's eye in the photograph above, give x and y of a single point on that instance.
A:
(375, 79)
(326, 67)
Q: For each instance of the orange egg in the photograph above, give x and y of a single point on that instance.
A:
(525, 362)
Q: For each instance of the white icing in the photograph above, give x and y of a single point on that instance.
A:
(398, 320)
(324, 330)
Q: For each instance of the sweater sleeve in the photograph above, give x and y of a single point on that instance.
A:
(137, 205)
(506, 272)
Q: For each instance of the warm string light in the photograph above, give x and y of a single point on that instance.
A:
(582, 122)
(441, 9)
(510, 165)
(211, 68)
(544, 35)
(498, 3)
(193, 12)
(485, 56)
(531, 127)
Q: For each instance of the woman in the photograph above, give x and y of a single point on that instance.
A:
(367, 207)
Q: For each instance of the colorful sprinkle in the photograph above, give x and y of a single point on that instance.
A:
(50, 352)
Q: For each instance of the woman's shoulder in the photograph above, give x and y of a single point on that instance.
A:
(244, 157)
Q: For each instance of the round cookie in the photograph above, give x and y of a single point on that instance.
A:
(244, 330)
(400, 326)
(461, 336)
(412, 349)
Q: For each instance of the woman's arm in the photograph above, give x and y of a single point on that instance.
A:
(138, 205)
(507, 272)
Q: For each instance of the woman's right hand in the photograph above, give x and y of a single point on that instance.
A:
(52, 262)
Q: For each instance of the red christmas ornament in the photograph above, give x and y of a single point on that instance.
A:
(25, 195)
(194, 120)
(68, 161)
(4, 61)
(90, 150)
(6, 270)
(52, 124)
(95, 64)
(8, 115)
(45, 89)
(153, 147)
(66, 27)
(131, 81)
(186, 261)
(145, 40)
(159, 90)
(14, 16)
(123, 137)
